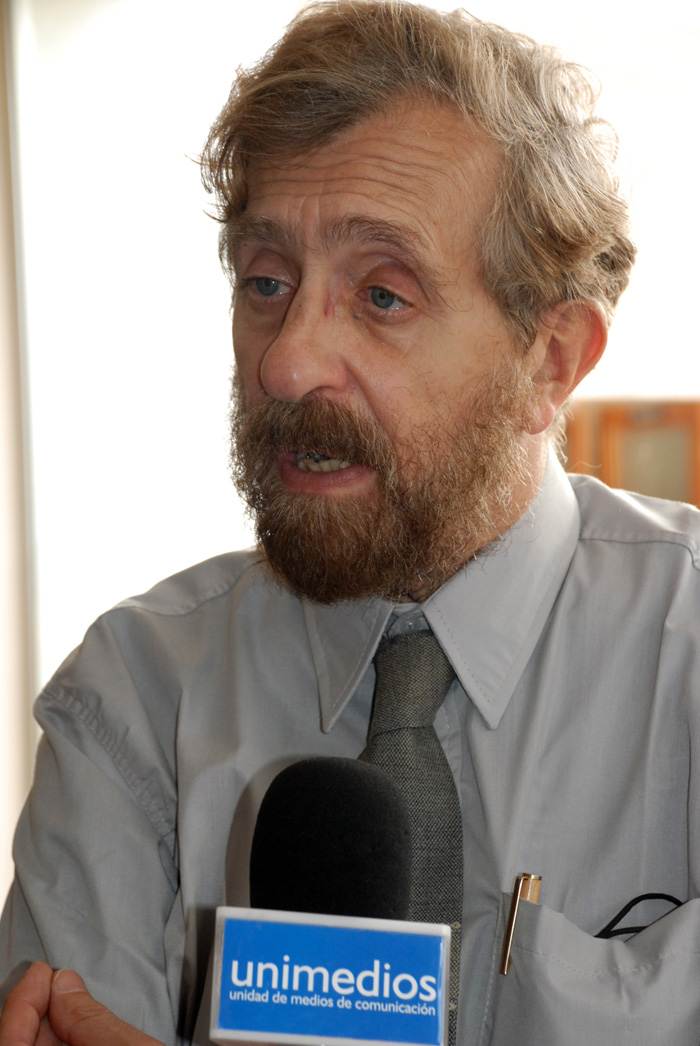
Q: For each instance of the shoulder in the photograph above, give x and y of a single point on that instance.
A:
(196, 586)
(165, 632)
(197, 601)
(128, 676)
(621, 517)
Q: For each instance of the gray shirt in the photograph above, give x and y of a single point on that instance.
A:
(571, 730)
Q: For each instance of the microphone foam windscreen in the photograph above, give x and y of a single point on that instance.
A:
(332, 837)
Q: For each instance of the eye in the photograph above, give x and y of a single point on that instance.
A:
(385, 300)
(268, 287)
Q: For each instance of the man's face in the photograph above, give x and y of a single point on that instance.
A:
(380, 405)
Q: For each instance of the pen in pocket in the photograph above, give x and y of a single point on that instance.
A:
(527, 888)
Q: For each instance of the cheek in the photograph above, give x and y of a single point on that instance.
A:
(247, 376)
(406, 394)
(247, 352)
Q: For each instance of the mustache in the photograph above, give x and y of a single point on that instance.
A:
(313, 426)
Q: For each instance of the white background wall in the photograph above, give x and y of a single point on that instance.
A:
(125, 324)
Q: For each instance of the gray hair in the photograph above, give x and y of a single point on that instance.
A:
(558, 226)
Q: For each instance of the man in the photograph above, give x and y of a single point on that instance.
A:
(427, 247)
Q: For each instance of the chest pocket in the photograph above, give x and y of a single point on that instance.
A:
(565, 988)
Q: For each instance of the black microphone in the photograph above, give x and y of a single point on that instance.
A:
(326, 952)
(332, 837)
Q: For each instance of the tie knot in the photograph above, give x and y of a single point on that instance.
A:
(413, 677)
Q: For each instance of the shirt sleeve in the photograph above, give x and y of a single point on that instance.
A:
(96, 886)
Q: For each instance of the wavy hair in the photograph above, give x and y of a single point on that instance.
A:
(558, 226)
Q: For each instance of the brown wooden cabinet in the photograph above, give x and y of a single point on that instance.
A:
(651, 447)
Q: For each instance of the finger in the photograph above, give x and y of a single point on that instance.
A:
(79, 1020)
(23, 1021)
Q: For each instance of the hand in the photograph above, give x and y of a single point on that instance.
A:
(24, 1020)
(49, 1009)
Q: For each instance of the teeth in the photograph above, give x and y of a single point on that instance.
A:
(309, 462)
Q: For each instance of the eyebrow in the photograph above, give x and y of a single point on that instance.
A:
(353, 229)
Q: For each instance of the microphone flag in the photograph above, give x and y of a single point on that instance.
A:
(289, 977)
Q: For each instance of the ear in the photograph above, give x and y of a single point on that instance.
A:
(570, 340)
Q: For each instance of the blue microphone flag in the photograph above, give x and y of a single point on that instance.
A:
(286, 977)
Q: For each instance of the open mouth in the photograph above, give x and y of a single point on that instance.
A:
(308, 461)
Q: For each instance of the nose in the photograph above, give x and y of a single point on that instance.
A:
(307, 355)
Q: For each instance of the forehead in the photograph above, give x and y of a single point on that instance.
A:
(418, 173)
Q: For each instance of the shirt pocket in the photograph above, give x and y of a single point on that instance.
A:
(566, 988)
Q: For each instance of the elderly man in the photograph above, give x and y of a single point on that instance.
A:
(426, 245)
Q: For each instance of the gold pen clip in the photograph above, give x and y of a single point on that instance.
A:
(527, 888)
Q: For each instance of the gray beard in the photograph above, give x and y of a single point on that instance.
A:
(430, 515)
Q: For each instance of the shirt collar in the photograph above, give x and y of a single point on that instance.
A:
(488, 617)
(343, 639)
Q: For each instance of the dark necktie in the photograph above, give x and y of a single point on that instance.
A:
(413, 677)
